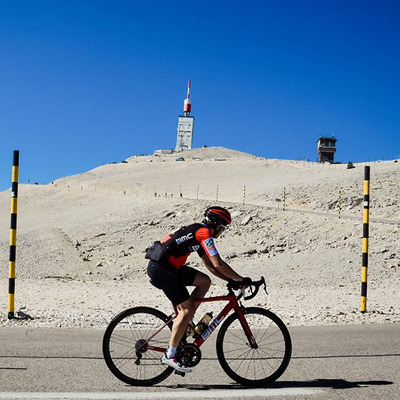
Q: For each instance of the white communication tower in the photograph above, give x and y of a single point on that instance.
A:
(184, 138)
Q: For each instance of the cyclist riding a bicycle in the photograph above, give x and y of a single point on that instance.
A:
(168, 272)
(253, 344)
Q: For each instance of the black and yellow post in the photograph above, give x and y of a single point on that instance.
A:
(364, 269)
(13, 234)
(284, 200)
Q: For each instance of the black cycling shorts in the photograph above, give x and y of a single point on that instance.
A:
(171, 280)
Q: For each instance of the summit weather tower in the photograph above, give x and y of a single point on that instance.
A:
(184, 138)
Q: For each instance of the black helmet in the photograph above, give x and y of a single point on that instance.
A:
(218, 216)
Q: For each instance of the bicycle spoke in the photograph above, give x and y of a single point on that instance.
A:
(123, 359)
(121, 340)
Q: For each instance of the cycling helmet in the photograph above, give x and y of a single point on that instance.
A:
(218, 216)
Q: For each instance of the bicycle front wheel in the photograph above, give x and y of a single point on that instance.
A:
(134, 343)
(254, 366)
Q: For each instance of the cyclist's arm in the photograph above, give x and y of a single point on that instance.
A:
(220, 268)
(207, 262)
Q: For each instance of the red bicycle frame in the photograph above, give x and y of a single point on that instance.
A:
(232, 305)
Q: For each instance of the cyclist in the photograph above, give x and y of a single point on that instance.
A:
(167, 271)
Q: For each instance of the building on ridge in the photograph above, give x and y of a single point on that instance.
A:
(326, 148)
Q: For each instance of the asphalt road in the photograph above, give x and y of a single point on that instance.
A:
(331, 362)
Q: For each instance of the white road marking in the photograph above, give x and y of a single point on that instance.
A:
(204, 394)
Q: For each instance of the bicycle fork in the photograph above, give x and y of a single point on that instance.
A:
(250, 337)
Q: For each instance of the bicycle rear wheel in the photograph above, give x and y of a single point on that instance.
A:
(254, 366)
(134, 343)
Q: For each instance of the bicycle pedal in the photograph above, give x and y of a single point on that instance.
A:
(180, 373)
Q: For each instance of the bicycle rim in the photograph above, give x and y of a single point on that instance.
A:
(126, 344)
(260, 366)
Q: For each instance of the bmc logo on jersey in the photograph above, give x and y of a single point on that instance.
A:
(184, 238)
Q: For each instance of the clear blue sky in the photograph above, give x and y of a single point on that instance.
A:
(88, 82)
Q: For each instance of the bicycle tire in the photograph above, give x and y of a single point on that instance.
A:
(260, 366)
(127, 333)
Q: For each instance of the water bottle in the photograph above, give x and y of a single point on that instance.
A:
(203, 323)
(190, 330)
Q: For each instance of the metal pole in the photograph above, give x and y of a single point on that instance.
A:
(13, 235)
(284, 199)
(364, 269)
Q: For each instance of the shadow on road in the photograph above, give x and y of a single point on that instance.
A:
(318, 383)
(329, 383)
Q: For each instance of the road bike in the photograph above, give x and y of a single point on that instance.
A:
(253, 344)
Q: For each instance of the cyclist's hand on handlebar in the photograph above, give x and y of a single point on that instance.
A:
(246, 282)
(235, 285)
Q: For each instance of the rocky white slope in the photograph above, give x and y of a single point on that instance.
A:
(81, 239)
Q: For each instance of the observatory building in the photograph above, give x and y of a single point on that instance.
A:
(326, 148)
(184, 138)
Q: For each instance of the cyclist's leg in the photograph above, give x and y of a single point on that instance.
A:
(202, 283)
(186, 311)
(173, 282)
(185, 315)
(192, 277)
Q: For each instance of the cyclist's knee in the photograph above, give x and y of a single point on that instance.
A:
(202, 281)
(187, 308)
(207, 282)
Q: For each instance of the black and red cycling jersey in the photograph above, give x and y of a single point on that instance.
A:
(194, 237)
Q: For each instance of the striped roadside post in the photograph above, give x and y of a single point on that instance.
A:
(284, 199)
(364, 269)
(13, 234)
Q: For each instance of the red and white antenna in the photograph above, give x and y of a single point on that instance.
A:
(187, 104)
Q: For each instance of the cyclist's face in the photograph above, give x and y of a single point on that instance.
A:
(218, 230)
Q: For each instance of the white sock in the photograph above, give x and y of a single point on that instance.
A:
(171, 352)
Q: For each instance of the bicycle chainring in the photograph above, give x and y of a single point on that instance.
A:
(188, 354)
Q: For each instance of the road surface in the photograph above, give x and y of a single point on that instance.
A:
(331, 362)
